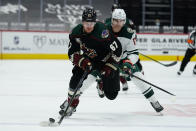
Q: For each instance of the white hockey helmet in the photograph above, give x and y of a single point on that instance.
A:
(119, 14)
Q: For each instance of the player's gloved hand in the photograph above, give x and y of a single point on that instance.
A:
(82, 62)
(86, 64)
(127, 67)
(108, 69)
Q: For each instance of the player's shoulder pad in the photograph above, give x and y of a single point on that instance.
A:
(101, 31)
(77, 30)
(127, 32)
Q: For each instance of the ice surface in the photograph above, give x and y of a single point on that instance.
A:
(32, 90)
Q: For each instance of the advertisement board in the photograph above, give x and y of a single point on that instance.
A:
(162, 44)
(54, 45)
(0, 46)
(34, 43)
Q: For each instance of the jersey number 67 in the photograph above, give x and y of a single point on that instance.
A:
(113, 46)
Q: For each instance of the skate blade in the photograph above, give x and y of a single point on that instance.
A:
(48, 124)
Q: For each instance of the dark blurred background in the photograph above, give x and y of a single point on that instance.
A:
(154, 16)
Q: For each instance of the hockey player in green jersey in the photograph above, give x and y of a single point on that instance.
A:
(128, 60)
(129, 22)
(132, 29)
(92, 47)
(130, 55)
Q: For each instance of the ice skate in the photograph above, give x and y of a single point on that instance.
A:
(157, 106)
(69, 111)
(194, 72)
(125, 86)
(179, 73)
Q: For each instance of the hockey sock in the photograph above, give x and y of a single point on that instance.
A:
(122, 80)
(75, 101)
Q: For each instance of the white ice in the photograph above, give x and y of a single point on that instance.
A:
(32, 90)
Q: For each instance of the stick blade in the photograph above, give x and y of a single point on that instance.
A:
(171, 64)
(48, 124)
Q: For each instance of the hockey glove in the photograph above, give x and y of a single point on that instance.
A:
(82, 62)
(128, 67)
(107, 69)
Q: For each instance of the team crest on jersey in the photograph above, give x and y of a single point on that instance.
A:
(129, 30)
(105, 34)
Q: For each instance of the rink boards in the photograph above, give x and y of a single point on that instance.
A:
(54, 45)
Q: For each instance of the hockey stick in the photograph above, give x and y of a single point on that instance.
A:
(166, 65)
(152, 84)
(52, 120)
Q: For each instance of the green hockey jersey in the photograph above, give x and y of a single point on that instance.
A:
(127, 40)
(99, 45)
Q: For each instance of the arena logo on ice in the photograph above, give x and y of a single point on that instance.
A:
(10, 8)
(70, 14)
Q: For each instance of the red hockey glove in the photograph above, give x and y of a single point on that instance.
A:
(82, 62)
(107, 69)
